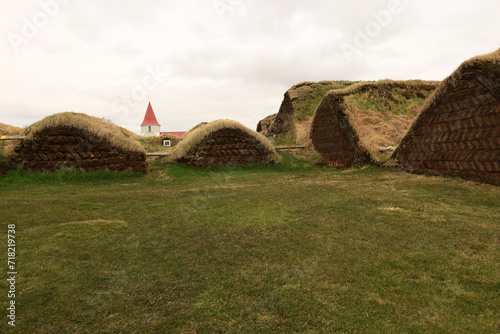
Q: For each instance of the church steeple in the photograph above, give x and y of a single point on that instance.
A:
(150, 126)
(150, 117)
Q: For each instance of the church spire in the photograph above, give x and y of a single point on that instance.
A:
(150, 118)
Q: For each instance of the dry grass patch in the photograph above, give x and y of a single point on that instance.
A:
(9, 130)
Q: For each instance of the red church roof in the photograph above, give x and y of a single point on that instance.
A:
(178, 134)
(150, 118)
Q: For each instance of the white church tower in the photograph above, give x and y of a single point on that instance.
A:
(150, 126)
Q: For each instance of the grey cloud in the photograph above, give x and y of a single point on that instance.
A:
(238, 66)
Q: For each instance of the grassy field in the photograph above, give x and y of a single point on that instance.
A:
(282, 249)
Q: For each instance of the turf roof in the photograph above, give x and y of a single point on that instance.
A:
(194, 137)
(116, 135)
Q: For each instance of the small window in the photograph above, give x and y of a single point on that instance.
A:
(167, 143)
(149, 128)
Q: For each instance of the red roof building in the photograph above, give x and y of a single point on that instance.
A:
(150, 126)
(150, 117)
(178, 134)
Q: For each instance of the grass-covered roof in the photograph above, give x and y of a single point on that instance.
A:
(194, 137)
(116, 135)
(380, 112)
(9, 130)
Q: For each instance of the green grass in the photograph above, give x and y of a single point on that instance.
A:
(286, 249)
(20, 178)
(291, 162)
(306, 104)
(281, 141)
(393, 101)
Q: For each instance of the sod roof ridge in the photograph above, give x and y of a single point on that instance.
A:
(116, 135)
(192, 138)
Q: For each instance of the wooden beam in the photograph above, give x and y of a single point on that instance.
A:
(289, 147)
(388, 148)
(157, 154)
(11, 137)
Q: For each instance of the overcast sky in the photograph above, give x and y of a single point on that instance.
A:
(205, 60)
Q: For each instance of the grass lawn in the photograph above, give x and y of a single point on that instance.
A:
(252, 250)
